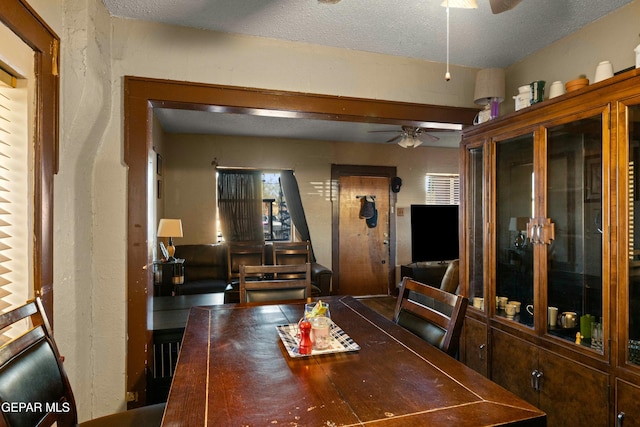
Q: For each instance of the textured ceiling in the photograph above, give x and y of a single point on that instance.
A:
(408, 28)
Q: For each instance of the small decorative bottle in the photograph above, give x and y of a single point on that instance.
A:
(305, 345)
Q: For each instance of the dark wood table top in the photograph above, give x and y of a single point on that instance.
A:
(233, 370)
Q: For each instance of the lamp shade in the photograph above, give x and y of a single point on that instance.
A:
(170, 228)
(489, 84)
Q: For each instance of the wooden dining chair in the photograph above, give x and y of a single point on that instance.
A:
(287, 253)
(243, 253)
(434, 315)
(271, 286)
(31, 373)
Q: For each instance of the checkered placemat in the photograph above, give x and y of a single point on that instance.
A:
(340, 341)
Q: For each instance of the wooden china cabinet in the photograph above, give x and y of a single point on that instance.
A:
(549, 196)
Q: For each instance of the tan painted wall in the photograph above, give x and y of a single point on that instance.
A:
(190, 178)
(611, 38)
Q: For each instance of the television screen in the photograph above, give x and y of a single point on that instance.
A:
(434, 233)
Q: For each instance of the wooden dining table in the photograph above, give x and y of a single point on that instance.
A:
(235, 370)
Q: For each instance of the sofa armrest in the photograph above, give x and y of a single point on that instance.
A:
(321, 277)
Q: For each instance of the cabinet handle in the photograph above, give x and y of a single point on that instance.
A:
(534, 374)
(620, 419)
(539, 376)
(481, 351)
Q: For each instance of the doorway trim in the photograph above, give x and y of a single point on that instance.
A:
(141, 95)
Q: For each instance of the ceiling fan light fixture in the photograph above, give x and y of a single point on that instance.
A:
(405, 142)
(460, 4)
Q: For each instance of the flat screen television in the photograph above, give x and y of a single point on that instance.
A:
(434, 233)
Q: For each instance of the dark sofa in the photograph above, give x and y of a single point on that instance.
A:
(205, 270)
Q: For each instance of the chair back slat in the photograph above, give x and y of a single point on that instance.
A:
(435, 315)
(271, 286)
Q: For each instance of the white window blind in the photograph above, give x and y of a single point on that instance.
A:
(442, 189)
(15, 192)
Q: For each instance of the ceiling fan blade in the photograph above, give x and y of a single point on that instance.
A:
(499, 6)
(425, 137)
(395, 138)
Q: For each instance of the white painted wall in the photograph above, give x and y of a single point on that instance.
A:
(90, 190)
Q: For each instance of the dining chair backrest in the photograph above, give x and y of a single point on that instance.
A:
(270, 286)
(243, 253)
(286, 253)
(34, 387)
(31, 372)
(431, 313)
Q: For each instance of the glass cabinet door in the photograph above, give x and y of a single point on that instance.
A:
(475, 207)
(513, 209)
(633, 313)
(574, 207)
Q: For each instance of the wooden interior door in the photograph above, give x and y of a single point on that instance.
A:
(363, 250)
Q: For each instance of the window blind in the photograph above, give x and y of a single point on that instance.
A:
(442, 189)
(16, 188)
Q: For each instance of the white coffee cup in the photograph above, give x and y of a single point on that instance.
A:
(529, 309)
(556, 89)
(553, 316)
(510, 309)
(604, 70)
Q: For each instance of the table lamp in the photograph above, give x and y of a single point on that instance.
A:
(490, 90)
(170, 228)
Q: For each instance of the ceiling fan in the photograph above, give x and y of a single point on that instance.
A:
(413, 136)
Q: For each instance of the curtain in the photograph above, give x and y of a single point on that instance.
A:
(294, 204)
(240, 205)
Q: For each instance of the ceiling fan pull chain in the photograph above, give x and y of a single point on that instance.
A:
(447, 75)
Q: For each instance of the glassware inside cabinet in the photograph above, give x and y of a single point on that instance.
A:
(475, 207)
(574, 256)
(513, 208)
